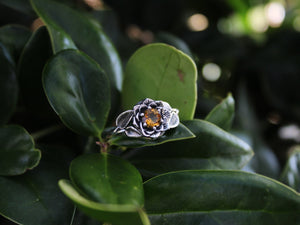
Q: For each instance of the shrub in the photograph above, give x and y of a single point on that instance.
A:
(68, 76)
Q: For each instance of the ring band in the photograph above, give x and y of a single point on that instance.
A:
(148, 118)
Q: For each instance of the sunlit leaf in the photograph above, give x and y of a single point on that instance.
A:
(161, 72)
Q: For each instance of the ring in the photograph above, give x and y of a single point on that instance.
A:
(148, 118)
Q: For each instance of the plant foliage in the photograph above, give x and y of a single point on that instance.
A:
(64, 84)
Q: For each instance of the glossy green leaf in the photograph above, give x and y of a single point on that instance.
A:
(17, 151)
(176, 134)
(34, 198)
(107, 179)
(213, 148)
(106, 188)
(116, 214)
(8, 86)
(161, 72)
(32, 61)
(78, 90)
(222, 115)
(14, 37)
(60, 39)
(291, 172)
(109, 21)
(220, 197)
(68, 26)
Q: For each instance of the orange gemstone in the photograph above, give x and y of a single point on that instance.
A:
(152, 118)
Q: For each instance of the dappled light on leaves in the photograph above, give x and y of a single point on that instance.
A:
(296, 23)
(95, 4)
(197, 22)
(275, 14)
(254, 19)
(211, 72)
(135, 33)
(257, 19)
(290, 132)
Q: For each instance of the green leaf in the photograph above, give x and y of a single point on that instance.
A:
(32, 61)
(34, 198)
(222, 115)
(66, 25)
(14, 37)
(17, 151)
(78, 90)
(107, 179)
(106, 188)
(291, 172)
(60, 39)
(8, 86)
(161, 72)
(179, 133)
(219, 197)
(110, 24)
(19, 5)
(213, 148)
(116, 214)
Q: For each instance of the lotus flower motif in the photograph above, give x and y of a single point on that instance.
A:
(148, 118)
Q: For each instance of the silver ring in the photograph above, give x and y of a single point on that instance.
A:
(148, 118)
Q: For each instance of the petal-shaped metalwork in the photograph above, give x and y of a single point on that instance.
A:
(157, 134)
(148, 119)
(174, 120)
(124, 118)
(132, 132)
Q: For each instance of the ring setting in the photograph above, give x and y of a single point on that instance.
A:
(148, 118)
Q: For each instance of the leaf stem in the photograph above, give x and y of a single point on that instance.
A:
(44, 132)
(103, 145)
(73, 216)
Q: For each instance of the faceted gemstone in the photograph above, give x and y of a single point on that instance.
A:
(152, 118)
